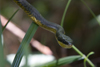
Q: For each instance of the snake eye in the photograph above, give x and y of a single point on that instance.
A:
(64, 39)
(65, 42)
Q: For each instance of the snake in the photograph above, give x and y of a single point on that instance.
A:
(63, 40)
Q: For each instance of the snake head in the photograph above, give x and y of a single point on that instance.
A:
(64, 41)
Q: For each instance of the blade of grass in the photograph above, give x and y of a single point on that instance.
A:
(62, 61)
(2, 63)
(67, 5)
(90, 11)
(10, 19)
(26, 52)
(25, 42)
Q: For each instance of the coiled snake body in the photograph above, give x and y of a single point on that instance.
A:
(61, 38)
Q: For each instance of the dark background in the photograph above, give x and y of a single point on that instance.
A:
(79, 24)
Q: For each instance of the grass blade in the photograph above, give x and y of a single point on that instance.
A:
(91, 11)
(2, 63)
(62, 61)
(25, 42)
(10, 19)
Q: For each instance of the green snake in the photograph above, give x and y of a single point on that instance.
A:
(62, 39)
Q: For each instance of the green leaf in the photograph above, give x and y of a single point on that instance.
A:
(62, 61)
(25, 43)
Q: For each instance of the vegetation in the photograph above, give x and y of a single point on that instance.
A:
(84, 32)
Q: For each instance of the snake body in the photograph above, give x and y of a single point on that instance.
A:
(62, 39)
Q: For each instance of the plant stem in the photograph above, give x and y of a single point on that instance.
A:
(79, 52)
(67, 5)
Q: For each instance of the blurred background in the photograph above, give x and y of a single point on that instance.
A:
(79, 24)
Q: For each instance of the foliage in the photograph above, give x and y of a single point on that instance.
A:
(31, 31)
